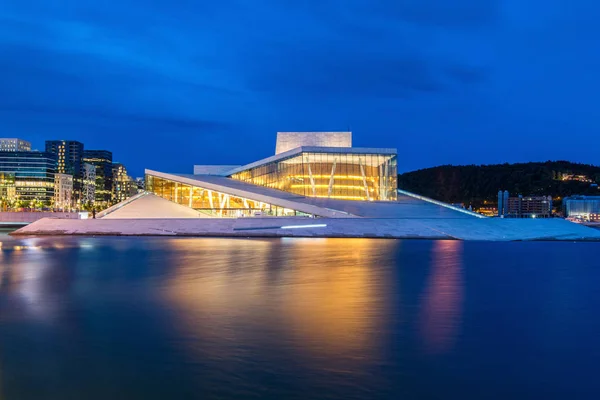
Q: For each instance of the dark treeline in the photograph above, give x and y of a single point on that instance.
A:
(473, 184)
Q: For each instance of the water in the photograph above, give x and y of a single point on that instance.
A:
(179, 318)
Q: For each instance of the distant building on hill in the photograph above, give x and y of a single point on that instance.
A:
(524, 206)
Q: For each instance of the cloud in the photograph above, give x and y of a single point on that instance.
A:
(96, 114)
(448, 14)
(133, 68)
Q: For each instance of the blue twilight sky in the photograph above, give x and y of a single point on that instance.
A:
(165, 84)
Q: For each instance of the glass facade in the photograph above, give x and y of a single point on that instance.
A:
(102, 159)
(345, 176)
(27, 176)
(581, 206)
(210, 202)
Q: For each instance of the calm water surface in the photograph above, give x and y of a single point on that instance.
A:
(161, 318)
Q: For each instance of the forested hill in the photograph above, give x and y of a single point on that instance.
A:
(472, 184)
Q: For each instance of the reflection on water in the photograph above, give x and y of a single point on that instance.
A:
(156, 318)
(442, 300)
(319, 296)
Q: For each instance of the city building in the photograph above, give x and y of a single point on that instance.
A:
(69, 161)
(140, 183)
(14, 144)
(63, 192)
(7, 190)
(295, 181)
(89, 185)
(503, 203)
(582, 207)
(524, 206)
(102, 160)
(123, 185)
(27, 178)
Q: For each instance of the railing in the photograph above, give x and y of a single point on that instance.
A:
(439, 203)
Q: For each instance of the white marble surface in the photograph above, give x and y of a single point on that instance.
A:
(151, 206)
(464, 229)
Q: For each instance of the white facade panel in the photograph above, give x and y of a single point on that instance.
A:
(219, 170)
(290, 140)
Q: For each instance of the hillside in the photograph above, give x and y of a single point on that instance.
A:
(474, 184)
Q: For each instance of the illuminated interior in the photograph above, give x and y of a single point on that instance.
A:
(211, 202)
(346, 176)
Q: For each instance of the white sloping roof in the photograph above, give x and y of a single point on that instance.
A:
(404, 207)
(249, 191)
(151, 206)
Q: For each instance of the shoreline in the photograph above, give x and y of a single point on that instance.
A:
(373, 228)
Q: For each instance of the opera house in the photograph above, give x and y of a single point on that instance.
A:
(315, 185)
(308, 170)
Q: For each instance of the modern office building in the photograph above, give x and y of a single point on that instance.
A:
(123, 185)
(69, 161)
(88, 197)
(27, 176)
(102, 160)
(309, 170)
(63, 192)
(524, 206)
(14, 144)
(582, 207)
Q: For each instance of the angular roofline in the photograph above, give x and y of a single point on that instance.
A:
(268, 195)
(313, 149)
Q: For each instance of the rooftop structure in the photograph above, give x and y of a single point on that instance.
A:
(14, 144)
(290, 140)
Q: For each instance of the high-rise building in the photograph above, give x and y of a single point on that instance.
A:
(89, 185)
(69, 161)
(102, 160)
(14, 144)
(123, 185)
(63, 191)
(27, 177)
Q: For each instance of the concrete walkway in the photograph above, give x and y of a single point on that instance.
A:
(489, 229)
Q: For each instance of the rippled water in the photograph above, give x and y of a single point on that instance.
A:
(179, 318)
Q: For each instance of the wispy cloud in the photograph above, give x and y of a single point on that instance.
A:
(133, 69)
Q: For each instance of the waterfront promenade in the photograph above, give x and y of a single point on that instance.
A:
(488, 229)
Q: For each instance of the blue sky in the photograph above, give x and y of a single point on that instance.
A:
(166, 84)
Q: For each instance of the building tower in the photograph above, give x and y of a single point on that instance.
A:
(89, 184)
(102, 160)
(69, 161)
